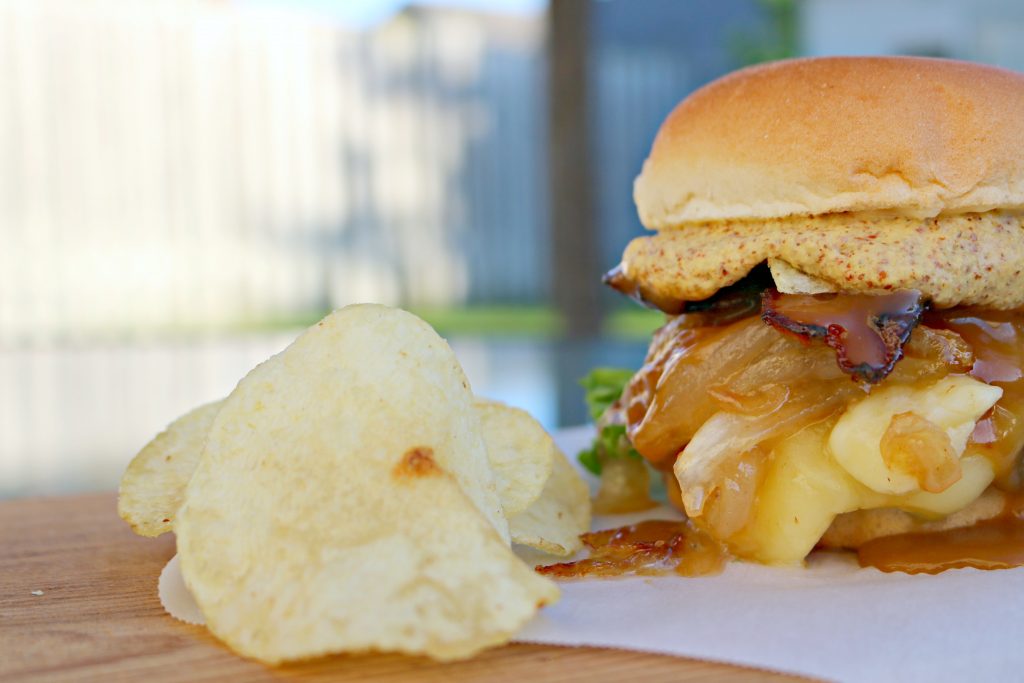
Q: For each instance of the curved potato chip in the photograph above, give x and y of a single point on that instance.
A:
(344, 502)
(153, 486)
(520, 453)
(554, 522)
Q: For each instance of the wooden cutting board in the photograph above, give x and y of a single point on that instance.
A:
(98, 618)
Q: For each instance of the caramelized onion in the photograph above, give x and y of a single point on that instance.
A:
(931, 355)
(787, 362)
(708, 460)
(729, 507)
(749, 368)
(768, 399)
(667, 400)
(645, 549)
(997, 340)
(710, 394)
(715, 399)
(919, 447)
(747, 410)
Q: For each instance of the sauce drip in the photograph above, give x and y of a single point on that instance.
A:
(645, 549)
(997, 342)
(867, 331)
(995, 544)
(995, 337)
(625, 487)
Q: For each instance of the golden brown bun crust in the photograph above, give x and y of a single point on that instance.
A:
(854, 529)
(821, 135)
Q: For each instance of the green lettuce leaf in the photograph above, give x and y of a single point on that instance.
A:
(603, 386)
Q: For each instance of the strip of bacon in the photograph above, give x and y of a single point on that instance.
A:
(867, 331)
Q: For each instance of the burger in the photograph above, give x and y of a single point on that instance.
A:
(838, 247)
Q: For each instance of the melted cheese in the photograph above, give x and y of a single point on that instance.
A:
(954, 403)
(835, 467)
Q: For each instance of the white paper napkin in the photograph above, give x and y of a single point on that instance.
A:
(832, 620)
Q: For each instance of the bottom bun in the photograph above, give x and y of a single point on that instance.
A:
(854, 529)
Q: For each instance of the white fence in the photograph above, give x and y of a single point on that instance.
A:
(181, 164)
(172, 169)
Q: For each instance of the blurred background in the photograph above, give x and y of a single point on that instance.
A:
(186, 184)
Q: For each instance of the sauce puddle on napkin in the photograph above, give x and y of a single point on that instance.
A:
(653, 547)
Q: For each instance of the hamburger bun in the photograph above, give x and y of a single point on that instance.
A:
(845, 174)
(850, 176)
(806, 137)
(854, 529)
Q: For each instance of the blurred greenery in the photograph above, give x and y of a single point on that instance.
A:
(622, 323)
(633, 323)
(777, 38)
(603, 387)
(530, 321)
(627, 323)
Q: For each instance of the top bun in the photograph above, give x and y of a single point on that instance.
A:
(915, 136)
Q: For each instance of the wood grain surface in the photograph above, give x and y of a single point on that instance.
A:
(99, 618)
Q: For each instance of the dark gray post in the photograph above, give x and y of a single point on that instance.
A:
(574, 261)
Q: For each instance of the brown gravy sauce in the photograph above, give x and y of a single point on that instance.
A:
(995, 337)
(995, 544)
(651, 548)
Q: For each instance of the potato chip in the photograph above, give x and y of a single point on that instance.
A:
(153, 485)
(520, 453)
(790, 280)
(344, 502)
(554, 522)
(545, 499)
(152, 489)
